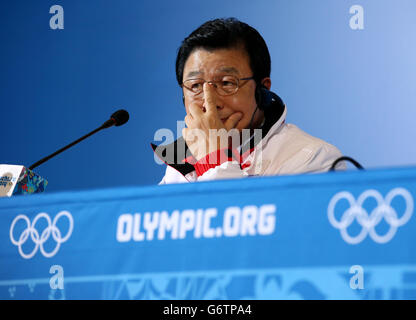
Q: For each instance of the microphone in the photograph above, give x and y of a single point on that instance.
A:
(118, 118)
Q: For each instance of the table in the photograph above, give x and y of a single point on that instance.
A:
(338, 235)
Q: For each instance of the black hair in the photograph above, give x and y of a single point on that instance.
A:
(227, 33)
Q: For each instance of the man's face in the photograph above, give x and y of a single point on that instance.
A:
(213, 65)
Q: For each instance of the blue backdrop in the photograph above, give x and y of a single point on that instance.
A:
(353, 88)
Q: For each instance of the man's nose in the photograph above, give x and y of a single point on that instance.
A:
(219, 104)
(218, 98)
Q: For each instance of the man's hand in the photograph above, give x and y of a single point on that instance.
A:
(205, 132)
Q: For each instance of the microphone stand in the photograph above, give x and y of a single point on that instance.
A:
(105, 125)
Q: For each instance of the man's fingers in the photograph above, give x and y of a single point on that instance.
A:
(233, 120)
(187, 135)
(188, 120)
(210, 102)
(195, 110)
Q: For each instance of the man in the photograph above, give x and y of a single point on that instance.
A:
(223, 68)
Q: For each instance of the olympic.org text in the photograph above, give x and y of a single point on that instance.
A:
(197, 223)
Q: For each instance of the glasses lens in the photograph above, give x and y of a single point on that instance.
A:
(227, 85)
(195, 85)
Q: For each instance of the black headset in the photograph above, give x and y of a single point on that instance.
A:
(267, 99)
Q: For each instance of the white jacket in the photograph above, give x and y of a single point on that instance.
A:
(285, 149)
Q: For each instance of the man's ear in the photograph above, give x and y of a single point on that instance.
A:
(267, 83)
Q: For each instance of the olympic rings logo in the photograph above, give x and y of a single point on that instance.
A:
(367, 221)
(40, 240)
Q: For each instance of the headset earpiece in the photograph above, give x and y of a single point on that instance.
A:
(267, 99)
(257, 96)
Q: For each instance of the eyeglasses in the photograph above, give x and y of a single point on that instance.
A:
(228, 85)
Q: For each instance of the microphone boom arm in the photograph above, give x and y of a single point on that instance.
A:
(118, 118)
(36, 164)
